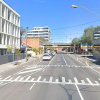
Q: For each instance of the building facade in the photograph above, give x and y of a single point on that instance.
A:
(96, 41)
(34, 43)
(9, 27)
(40, 32)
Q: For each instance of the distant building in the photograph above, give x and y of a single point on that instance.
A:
(40, 32)
(96, 40)
(9, 27)
(34, 43)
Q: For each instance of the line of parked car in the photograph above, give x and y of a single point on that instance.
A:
(49, 56)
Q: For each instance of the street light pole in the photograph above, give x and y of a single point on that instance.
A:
(26, 43)
(74, 6)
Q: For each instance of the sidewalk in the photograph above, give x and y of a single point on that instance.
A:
(8, 66)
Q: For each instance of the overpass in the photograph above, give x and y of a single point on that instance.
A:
(60, 46)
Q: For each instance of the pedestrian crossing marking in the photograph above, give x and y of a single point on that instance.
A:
(73, 66)
(41, 79)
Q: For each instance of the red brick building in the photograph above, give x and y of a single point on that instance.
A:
(34, 43)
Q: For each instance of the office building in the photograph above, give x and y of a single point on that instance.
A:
(40, 32)
(9, 27)
(96, 41)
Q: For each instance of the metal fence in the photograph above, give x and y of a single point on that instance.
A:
(10, 58)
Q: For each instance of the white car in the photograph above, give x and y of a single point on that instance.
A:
(47, 57)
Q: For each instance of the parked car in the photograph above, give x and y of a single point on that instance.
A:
(47, 57)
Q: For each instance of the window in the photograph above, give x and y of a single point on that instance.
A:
(0, 52)
(0, 39)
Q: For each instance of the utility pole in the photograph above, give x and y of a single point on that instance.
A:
(26, 43)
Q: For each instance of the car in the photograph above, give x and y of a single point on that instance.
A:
(47, 57)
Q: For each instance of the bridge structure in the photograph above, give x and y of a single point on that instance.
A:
(68, 47)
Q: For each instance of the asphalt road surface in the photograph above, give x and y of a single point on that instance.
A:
(61, 78)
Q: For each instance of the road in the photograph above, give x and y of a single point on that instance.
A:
(62, 78)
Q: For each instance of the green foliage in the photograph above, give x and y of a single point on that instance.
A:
(88, 35)
(9, 48)
(52, 48)
(35, 50)
(96, 52)
(22, 31)
(76, 41)
(17, 53)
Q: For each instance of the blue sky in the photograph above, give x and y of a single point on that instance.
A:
(57, 14)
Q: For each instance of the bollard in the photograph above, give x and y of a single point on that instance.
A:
(87, 62)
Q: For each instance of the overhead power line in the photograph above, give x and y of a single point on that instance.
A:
(75, 25)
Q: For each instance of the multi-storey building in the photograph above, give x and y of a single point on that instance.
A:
(9, 27)
(96, 40)
(40, 32)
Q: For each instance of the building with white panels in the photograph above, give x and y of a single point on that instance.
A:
(9, 27)
(40, 32)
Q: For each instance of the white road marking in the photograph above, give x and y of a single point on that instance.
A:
(17, 78)
(28, 78)
(29, 71)
(89, 81)
(63, 79)
(83, 82)
(97, 82)
(7, 77)
(51, 78)
(79, 92)
(43, 70)
(76, 81)
(32, 86)
(95, 70)
(21, 78)
(39, 78)
(57, 80)
(32, 79)
(70, 81)
(64, 60)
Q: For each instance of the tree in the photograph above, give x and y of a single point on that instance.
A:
(35, 50)
(88, 35)
(17, 53)
(22, 30)
(76, 41)
(9, 48)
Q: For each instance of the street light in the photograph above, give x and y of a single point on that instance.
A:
(26, 43)
(74, 6)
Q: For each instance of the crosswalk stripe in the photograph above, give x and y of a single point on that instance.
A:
(97, 82)
(28, 78)
(17, 78)
(70, 81)
(57, 80)
(83, 82)
(10, 79)
(32, 79)
(75, 79)
(39, 78)
(51, 78)
(7, 78)
(21, 78)
(89, 80)
(63, 79)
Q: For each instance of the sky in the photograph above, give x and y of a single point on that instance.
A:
(64, 22)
